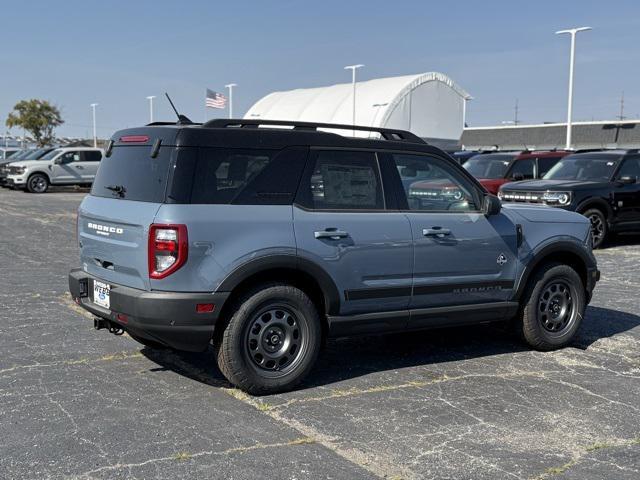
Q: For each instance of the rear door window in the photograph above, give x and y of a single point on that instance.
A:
(130, 173)
(523, 169)
(545, 164)
(91, 156)
(343, 180)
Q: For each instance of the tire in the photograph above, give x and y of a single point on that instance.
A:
(148, 343)
(599, 229)
(271, 340)
(554, 305)
(37, 183)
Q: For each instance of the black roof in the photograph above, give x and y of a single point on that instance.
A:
(239, 133)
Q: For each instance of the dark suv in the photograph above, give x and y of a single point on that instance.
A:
(265, 240)
(604, 186)
(495, 169)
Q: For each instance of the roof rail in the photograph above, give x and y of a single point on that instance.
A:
(386, 133)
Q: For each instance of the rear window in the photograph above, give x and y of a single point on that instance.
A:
(130, 173)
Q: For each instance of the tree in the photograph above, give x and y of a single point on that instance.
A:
(37, 117)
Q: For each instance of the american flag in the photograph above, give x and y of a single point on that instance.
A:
(215, 100)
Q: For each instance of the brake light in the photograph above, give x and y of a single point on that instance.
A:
(168, 249)
(134, 139)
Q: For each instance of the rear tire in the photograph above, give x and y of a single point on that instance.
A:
(271, 341)
(555, 304)
(599, 229)
(37, 183)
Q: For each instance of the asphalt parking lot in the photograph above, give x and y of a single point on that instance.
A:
(457, 403)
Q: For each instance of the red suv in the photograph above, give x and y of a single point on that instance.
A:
(495, 169)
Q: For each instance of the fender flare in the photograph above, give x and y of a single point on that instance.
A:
(597, 202)
(291, 262)
(562, 246)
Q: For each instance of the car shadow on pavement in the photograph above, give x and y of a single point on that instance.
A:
(621, 240)
(347, 358)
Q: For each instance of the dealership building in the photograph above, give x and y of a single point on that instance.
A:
(431, 105)
(584, 135)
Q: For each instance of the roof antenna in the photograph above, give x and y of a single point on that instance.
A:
(182, 119)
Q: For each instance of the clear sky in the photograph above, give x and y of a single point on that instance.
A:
(115, 53)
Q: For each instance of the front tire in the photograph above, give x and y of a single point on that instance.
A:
(37, 183)
(599, 229)
(555, 304)
(271, 341)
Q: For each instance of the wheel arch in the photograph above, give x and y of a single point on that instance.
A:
(301, 273)
(596, 202)
(565, 252)
(41, 172)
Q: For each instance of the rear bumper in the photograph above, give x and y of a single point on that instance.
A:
(169, 318)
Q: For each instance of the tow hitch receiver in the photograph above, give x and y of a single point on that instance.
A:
(100, 323)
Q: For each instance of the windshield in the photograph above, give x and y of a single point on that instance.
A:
(19, 155)
(35, 154)
(488, 166)
(51, 154)
(591, 167)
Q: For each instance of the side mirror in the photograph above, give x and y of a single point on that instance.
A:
(58, 161)
(517, 177)
(627, 180)
(492, 205)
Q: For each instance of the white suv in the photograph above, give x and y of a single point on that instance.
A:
(62, 166)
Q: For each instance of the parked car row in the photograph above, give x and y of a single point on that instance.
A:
(603, 185)
(35, 170)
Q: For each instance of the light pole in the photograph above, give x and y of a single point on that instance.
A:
(95, 135)
(353, 69)
(230, 87)
(572, 32)
(464, 110)
(150, 98)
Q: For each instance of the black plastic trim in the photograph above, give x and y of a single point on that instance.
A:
(278, 261)
(420, 319)
(404, 291)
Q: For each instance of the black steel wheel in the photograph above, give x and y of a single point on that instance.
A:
(553, 307)
(556, 309)
(276, 339)
(271, 340)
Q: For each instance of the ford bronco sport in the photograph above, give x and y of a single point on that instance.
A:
(603, 186)
(495, 169)
(263, 240)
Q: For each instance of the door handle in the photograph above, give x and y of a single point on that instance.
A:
(79, 167)
(435, 232)
(331, 233)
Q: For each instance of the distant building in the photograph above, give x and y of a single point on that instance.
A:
(606, 134)
(430, 105)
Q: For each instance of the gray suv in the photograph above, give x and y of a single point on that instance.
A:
(263, 240)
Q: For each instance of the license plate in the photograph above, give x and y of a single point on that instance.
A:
(101, 293)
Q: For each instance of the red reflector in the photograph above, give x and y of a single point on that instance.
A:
(166, 246)
(122, 318)
(134, 139)
(205, 307)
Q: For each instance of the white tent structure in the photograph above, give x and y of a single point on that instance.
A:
(430, 105)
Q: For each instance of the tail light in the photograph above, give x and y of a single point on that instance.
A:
(168, 249)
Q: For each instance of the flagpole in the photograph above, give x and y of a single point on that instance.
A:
(205, 106)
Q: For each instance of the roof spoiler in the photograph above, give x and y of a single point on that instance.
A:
(386, 133)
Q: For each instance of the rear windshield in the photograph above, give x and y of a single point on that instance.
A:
(489, 166)
(130, 173)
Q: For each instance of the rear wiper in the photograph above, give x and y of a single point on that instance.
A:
(117, 189)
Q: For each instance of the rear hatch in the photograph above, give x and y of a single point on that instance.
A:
(113, 222)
